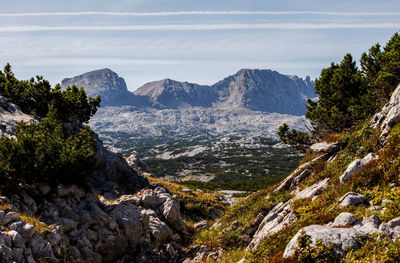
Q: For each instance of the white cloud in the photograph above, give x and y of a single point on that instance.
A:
(199, 27)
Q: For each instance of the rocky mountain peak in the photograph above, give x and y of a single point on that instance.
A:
(107, 84)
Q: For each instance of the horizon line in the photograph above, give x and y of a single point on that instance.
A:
(184, 13)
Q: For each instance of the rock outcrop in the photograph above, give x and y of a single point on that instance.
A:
(389, 115)
(345, 232)
(121, 218)
(10, 115)
(357, 166)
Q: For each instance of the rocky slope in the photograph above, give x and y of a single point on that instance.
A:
(340, 203)
(122, 218)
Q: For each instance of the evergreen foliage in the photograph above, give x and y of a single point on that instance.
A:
(348, 95)
(47, 151)
(300, 140)
(36, 97)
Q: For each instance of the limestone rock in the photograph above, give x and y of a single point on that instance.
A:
(352, 199)
(171, 212)
(279, 217)
(313, 190)
(345, 220)
(159, 231)
(356, 166)
(324, 147)
(389, 115)
(343, 238)
(10, 217)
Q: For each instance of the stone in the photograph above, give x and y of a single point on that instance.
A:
(370, 225)
(296, 180)
(28, 255)
(16, 225)
(150, 199)
(159, 231)
(171, 212)
(278, 218)
(352, 199)
(6, 253)
(10, 217)
(343, 238)
(66, 224)
(186, 190)
(313, 190)
(201, 225)
(128, 218)
(324, 147)
(27, 231)
(390, 114)
(5, 239)
(18, 254)
(2, 214)
(394, 222)
(345, 220)
(17, 239)
(357, 166)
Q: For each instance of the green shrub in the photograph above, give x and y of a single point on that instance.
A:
(46, 152)
(313, 253)
(36, 97)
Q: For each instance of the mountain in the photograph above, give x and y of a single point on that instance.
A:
(252, 89)
(108, 85)
(171, 94)
(265, 90)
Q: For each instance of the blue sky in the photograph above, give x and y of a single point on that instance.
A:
(195, 41)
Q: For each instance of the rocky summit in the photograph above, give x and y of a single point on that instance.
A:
(252, 89)
(107, 84)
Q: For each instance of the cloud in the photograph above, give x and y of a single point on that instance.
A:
(199, 27)
(185, 13)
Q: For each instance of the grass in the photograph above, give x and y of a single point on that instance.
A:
(5, 207)
(198, 203)
(39, 226)
(374, 182)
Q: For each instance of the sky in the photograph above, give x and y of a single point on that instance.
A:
(196, 41)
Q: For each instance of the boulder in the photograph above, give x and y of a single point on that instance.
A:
(10, 217)
(357, 166)
(313, 190)
(352, 199)
(345, 233)
(279, 217)
(324, 147)
(345, 220)
(171, 212)
(17, 239)
(343, 238)
(159, 231)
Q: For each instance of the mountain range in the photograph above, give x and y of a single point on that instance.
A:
(252, 89)
(250, 103)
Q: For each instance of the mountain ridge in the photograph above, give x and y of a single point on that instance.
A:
(254, 89)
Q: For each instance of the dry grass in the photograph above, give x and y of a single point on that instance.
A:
(39, 226)
(5, 207)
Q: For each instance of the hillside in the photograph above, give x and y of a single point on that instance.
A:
(341, 204)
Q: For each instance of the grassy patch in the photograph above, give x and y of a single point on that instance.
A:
(39, 226)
